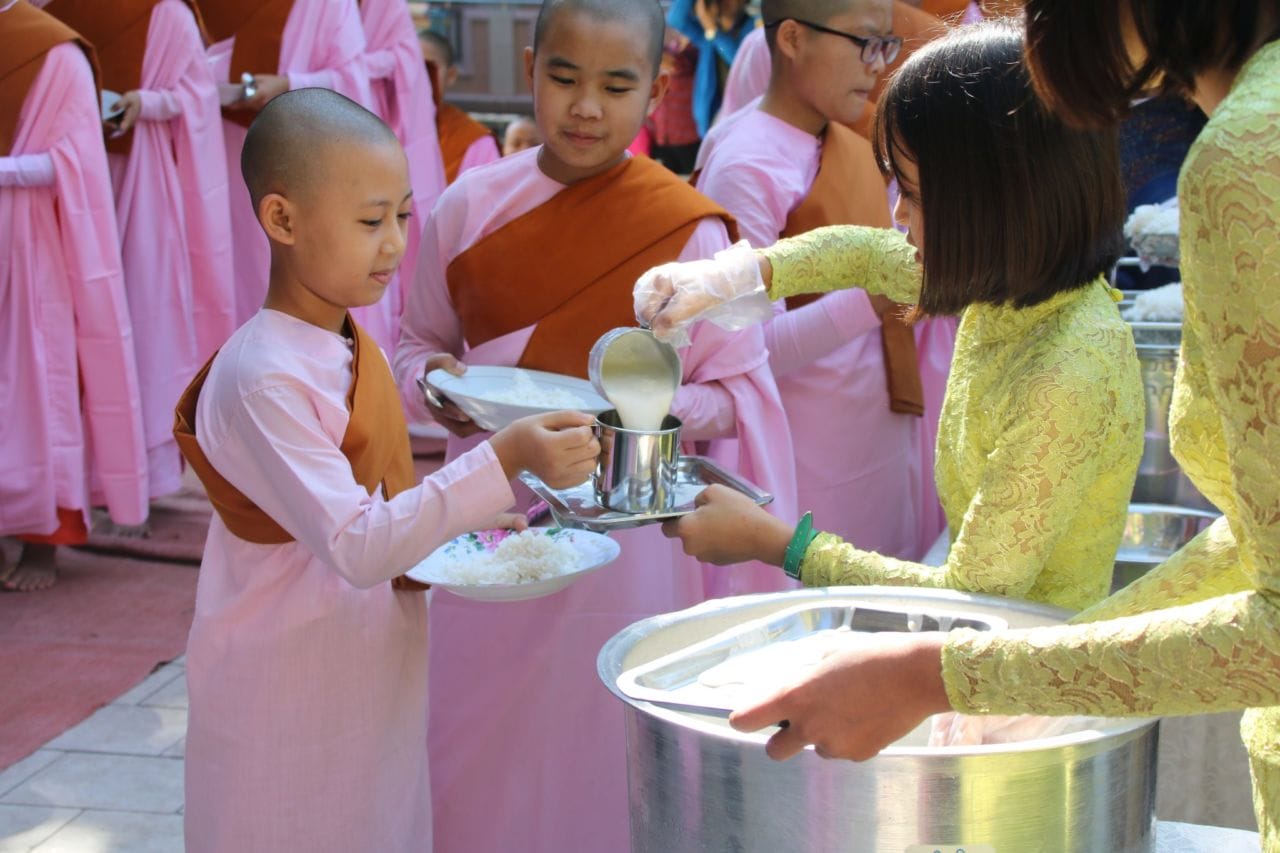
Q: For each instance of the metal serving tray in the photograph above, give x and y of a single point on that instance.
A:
(678, 680)
(577, 507)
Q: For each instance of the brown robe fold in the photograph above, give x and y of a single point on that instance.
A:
(849, 190)
(258, 26)
(569, 265)
(376, 442)
(26, 35)
(457, 130)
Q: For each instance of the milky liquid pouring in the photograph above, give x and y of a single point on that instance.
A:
(636, 378)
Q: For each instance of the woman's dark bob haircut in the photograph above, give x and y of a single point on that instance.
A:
(1082, 70)
(1017, 207)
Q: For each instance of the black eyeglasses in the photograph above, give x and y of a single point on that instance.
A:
(884, 47)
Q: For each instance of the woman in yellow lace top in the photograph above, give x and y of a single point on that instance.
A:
(1041, 429)
(1202, 632)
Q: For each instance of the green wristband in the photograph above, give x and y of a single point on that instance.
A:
(799, 545)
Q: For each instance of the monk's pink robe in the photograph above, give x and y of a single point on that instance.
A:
(72, 434)
(173, 209)
(748, 76)
(527, 747)
(323, 46)
(479, 153)
(401, 92)
(306, 670)
(857, 462)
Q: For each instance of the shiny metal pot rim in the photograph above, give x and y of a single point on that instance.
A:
(609, 664)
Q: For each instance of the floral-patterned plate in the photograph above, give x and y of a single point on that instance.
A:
(445, 568)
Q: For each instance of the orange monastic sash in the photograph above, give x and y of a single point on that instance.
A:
(569, 265)
(849, 190)
(457, 130)
(376, 442)
(26, 35)
(258, 26)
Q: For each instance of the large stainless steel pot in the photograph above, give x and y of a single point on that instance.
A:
(696, 785)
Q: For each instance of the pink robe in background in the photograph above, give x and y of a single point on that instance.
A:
(401, 92)
(72, 432)
(748, 75)
(307, 671)
(175, 229)
(857, 463)
(482, 152)
(323, 47)
(527, 746)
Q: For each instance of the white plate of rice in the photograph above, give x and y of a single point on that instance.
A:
(493, 397)
(502, 565)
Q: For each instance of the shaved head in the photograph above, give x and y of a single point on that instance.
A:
(645, 16)
(287, 142)
(814, 11)
(441, 44)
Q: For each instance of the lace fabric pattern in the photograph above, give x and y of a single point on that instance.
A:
(1202, 632)
(1038, 443)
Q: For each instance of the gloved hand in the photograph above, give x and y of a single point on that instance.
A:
(727, 290)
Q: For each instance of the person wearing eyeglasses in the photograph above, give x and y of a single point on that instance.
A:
(716, 28)
(1041, 430)
(786, 164)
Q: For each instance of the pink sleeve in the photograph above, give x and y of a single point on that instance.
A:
(799, 338)
(429, 325)
(337, 54)
(278, 454)
(483, 150)
(27, 170)
(159, 105)
(380, 64)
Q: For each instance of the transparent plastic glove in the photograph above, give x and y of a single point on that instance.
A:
(727, 290)
(965, 730)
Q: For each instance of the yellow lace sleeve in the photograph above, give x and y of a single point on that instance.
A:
(1041, 468)
(1221, 653)
(1207, 567)
(878, 260)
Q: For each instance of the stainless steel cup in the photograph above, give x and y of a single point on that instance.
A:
(636, 471)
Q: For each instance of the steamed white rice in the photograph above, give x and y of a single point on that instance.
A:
(1152, 230)
(1159, 305)
(525, 392)
(525, 557)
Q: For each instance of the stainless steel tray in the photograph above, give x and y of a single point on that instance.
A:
(577, 507)
(795, 637)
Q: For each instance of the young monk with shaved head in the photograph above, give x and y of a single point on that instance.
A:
(528, 261)
(845, 365)
(307, 656)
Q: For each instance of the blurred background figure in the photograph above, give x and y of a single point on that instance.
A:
(672, 130)
(464, 142)
(521, 133)
(715, 28)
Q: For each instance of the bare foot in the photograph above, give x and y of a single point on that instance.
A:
(35, 570)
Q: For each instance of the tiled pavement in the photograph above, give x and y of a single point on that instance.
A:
(109, 785)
